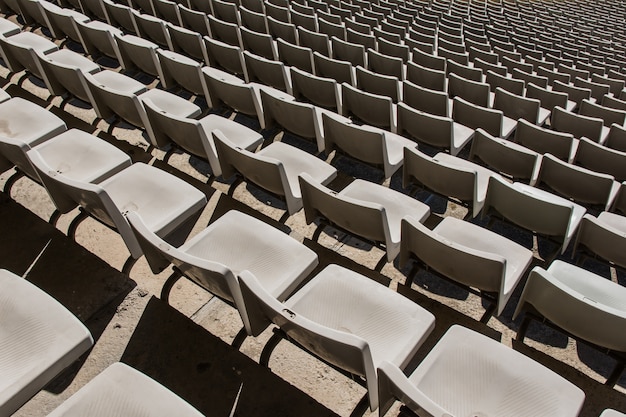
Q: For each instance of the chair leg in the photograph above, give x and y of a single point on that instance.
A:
(381, 263)
(239, 338)
(71, 230)
(521, 333)
(271, 344)
(411, 277)
(361, 407)
(11, 181)
(488, 313)
(54, 218)
(318, 232)
(234, 185)
(128, 265)
(615, 375)
(169, 284)
(284, 217)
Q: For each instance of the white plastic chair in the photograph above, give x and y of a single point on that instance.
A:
(345, 318)
(39, 338)
(469, 374)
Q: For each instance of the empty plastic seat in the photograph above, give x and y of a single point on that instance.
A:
(518, 107)
(576, 300)
(98, 39)
(79, 156)
(194, 20)
(365, 143)
(383, 85)
(607, 114)
(469, 255)
(578, 125)
(179, 69)
(225, 32)
(449, 176)
(216, 256)
(575, 94)
(131, 389)
(139, 53)
(576, 183)
(472, 91)
(542, 140)
(372, 109)
(321, 91)
(188, 42)
(318, 42)
(597, 89)
(274, 168)
(491, 120)
(336, 316)
(598, 158)
(426, 77)
(347, 51)
(296, 56)
(268, 72)
(550, 99)
(437, 131)
(40, 338)
(616, 139)
(533, 209)
(385, 65)
(341, 71)
(261, 44)
(447, 381)
(602, 236)
(154, 29)
(435, 102)
(224, 56)
(194, 136)
(24, 126)
(17, 55)
(302, 119)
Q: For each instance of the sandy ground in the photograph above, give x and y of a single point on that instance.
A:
(185, 344)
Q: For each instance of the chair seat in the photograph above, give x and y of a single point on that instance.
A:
(238, 134)
(70, 58)
(4, 96)
(242, 242)
(8, 28)
(517, 257)
(119, 82)
(543, 116)
(296, 162)
(461, 135)
(393, 326)
(98, 25)
(613, 220)
(81, 156)
(163, 200)
(465, 365)
(395, 145)
(175, 56)
(33, 41)
(171, 103)
(138, 41)
(39, 338)
(120, 390)
(27, 122)
(396, 204)
(508, 127)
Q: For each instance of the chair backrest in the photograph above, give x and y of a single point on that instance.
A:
(392, 50)
(194, 20)
(347, 51)
(542, 140)
(68, 77)
(549, 99)
(607, 114)
(267, 173)
(507, 83)
(575, 94)
(426, 77)
(553, 75)
(423, 99)
(530, 78)
(438, 176)
(615, 85)
(471, 91)
(616, 139)
(468, 73)
(384, 64)
(597, 89)
(527, 210)
(468, 266)
(459, 57)
(253, 20)
(272, 73)
(295, 117)
(384, 85)
(188, 42)
(341, 71)
(121, 16)
(260, 44)
(225, 56)
(613, 102)
(318, 42)
(359, 217)
(371, 108)
(576, 124)
(234, 92)
(182, 70)
(295, 56)
(431, 129)
(139, 53)
(155, 29)
(428, 60)
(504, 156)
(321, 91)
(516, 106)
(579, 184)
(167, 10)
(225, 32)
(473, 116)
(366, 39)
(62, 21)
